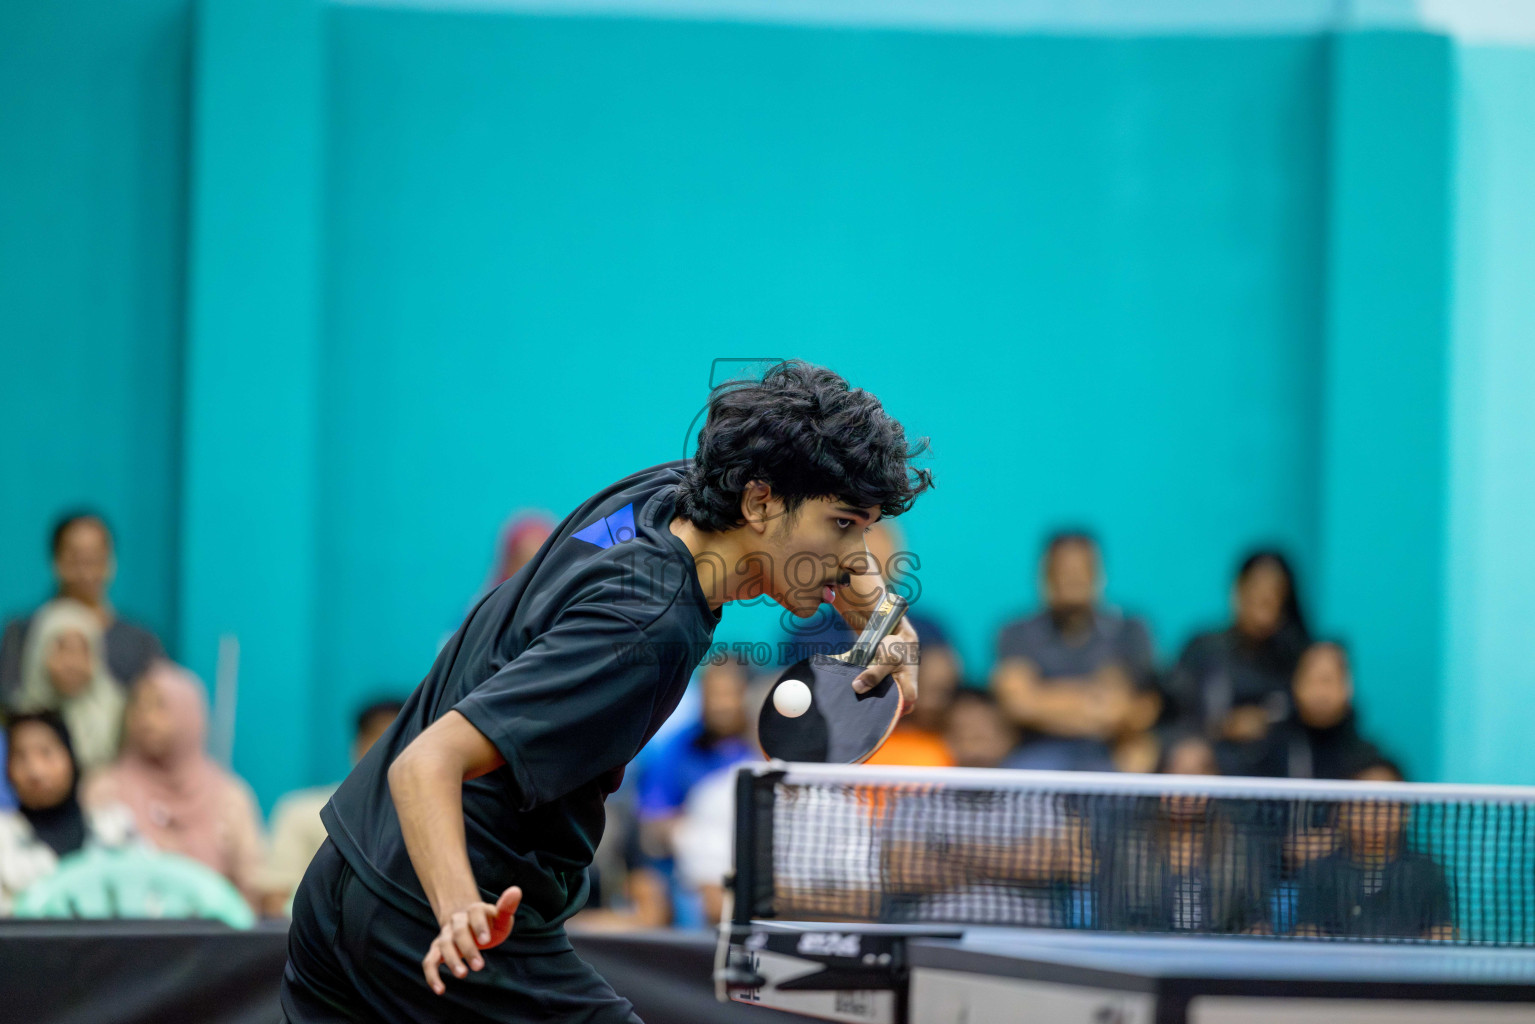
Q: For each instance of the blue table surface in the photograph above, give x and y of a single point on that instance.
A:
(1173, 956)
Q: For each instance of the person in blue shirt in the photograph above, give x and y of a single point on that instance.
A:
(7, 798)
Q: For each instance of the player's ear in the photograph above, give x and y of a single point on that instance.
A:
(758, 506)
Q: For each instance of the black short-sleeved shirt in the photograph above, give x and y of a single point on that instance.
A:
(1403, 898)
(569, 667)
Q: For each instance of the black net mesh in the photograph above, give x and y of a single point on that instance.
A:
(1155, 854)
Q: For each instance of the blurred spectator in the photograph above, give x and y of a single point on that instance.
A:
(7, 795)
(521, 537)
(519, 541)
(1188, 755)
(182, 802)
(1184, 866)
(1373, 886)
(717, 740)
(992, 855)
(1324, 742)
(706, 840)
(627, 891)
(919, 737)
(50, 823)
(63, 670)
(1068, 676)
(1137, 747)
(704, 835)
(83, 566)
(1234, 683)
(978, 733)
(297, 832)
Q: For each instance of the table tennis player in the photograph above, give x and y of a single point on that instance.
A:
(458, 846)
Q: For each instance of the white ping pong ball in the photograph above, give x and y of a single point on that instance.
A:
(791, 698)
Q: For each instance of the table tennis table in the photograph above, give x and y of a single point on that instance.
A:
(894, 974)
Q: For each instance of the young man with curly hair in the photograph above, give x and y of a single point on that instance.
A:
(459, 845)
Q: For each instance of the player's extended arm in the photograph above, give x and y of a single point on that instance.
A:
(427, 784)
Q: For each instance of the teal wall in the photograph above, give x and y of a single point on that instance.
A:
(1491, 505)
(1385, 417)
(416, 270)
(541, 231)
(93, 150)
(251, 471)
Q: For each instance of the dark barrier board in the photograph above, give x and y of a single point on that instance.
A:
(188, 972)
(140, 972)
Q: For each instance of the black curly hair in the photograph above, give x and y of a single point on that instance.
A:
(803, 431)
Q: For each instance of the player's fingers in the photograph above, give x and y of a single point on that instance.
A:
(888, 657)
(463, 942)
(479, 924)
(906, 679)
(907, 650)
(450, 955)
(431, 967)
(869, 678)
(507, 905)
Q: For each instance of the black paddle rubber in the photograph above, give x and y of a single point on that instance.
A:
(840, 727)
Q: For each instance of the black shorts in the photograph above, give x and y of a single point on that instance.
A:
(353, 957)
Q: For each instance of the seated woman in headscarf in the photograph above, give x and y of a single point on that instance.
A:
(182, 802)
(1233, 684)
(49, 823)
(64, 669)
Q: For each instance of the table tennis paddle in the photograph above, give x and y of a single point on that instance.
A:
(840, 726)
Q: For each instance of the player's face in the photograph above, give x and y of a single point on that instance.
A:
(39, 767)
(812, 550)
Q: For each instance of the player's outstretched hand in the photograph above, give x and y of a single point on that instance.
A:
(464, 933)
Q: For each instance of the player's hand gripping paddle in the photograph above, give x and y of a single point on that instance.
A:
(835, 725)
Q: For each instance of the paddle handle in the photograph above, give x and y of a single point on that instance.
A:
(886, 617)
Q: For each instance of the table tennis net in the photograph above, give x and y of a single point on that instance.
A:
(1148, 854)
